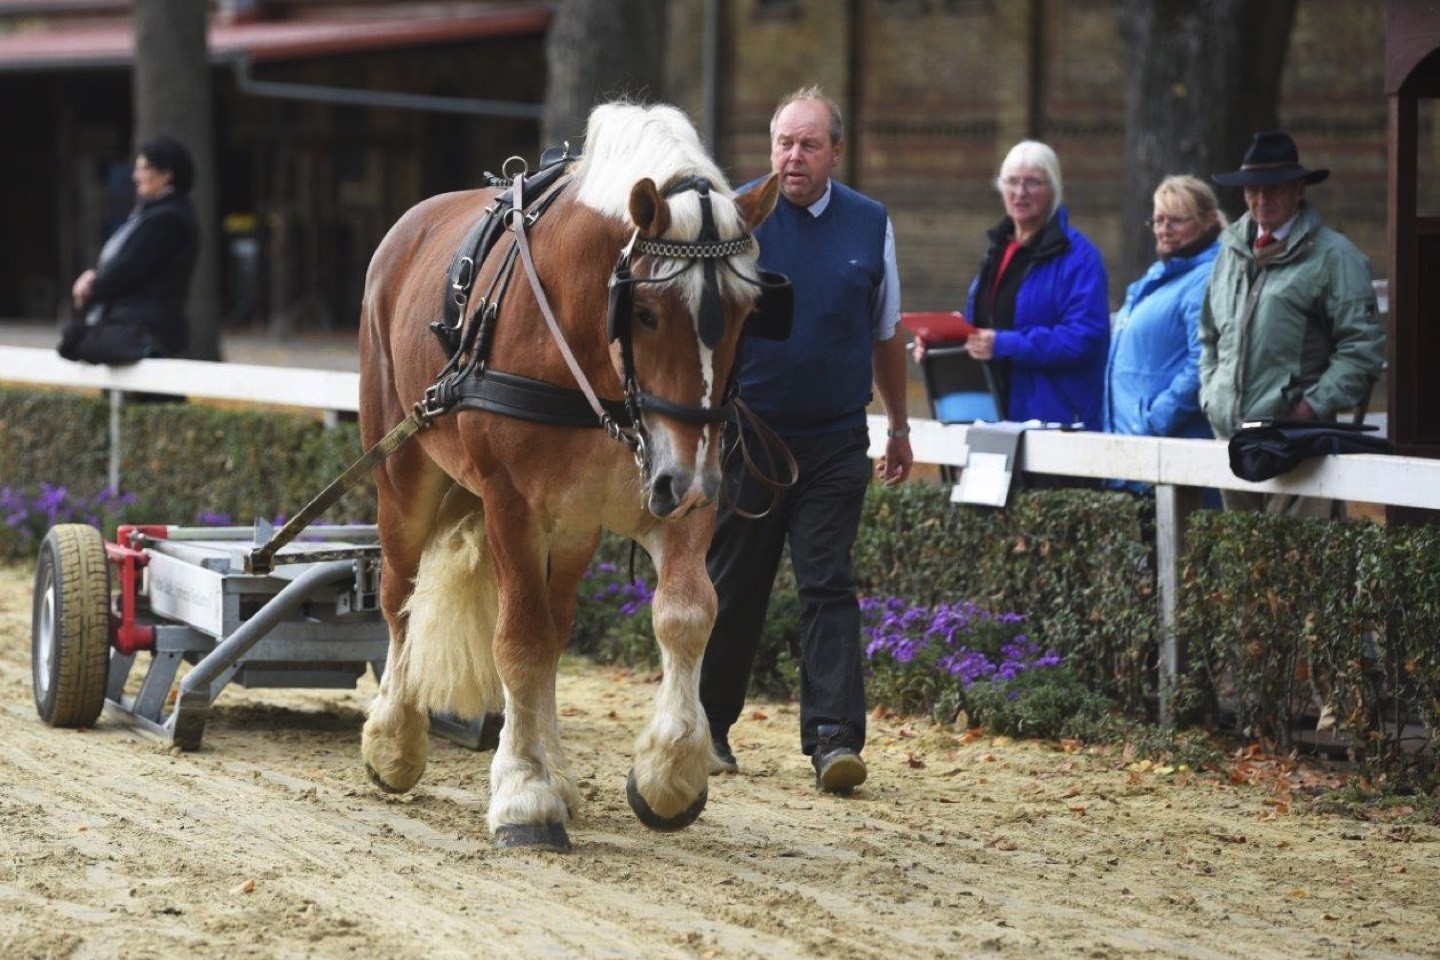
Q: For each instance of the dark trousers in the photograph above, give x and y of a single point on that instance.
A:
(820, 515)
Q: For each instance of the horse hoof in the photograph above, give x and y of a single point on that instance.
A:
(540, 836)
(652, 819)
(379, 781)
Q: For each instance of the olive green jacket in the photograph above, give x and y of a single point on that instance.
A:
(1304, 325)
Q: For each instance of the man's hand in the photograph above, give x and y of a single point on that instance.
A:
(894, 467)
(1303, 411)
(80, 292)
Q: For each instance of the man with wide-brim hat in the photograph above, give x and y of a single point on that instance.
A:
(1272, 158)
(1289, 328)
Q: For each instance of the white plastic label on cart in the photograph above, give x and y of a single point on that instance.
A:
(188, 593)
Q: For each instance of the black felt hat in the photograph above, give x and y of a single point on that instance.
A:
(1272, 158)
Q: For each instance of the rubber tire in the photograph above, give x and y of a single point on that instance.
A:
(70, 621)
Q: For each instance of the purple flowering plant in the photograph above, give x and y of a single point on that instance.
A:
(25, 517)
(612, 616)
(935, 659)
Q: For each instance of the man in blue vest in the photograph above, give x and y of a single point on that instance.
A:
(838, 248)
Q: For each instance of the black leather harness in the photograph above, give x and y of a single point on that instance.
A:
(468, 383)
(466, 329)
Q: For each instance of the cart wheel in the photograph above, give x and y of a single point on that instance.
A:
(70, 626)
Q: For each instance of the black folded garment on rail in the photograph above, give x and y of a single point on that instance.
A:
(1262, 449)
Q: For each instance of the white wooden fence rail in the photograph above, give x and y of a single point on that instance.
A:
(1179, 469)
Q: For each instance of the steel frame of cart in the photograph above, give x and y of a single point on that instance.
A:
(185, 597)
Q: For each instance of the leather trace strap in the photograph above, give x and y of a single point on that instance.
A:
(261, 560)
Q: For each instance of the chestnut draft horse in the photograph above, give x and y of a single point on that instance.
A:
(488, 521)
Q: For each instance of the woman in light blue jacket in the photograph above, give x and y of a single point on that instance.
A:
(1152, 379)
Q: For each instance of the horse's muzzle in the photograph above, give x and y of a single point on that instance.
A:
(673, 493)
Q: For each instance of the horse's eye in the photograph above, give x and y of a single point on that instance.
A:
(646, 318)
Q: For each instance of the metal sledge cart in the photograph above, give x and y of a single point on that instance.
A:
(185, 597)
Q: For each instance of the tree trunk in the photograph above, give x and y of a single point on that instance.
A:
(172, 96)
(1204, 76)
(600, 50)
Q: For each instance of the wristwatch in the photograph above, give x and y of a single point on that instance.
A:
(900, 434)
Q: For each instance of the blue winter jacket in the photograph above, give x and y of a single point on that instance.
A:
(1152, 382)
(1057, 343)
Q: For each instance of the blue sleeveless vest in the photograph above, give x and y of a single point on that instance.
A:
(820, 379)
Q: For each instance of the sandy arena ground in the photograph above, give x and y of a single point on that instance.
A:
(270, 843)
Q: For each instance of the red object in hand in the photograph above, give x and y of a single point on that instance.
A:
(938, 327)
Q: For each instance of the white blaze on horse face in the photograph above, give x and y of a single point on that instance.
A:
(707, 390)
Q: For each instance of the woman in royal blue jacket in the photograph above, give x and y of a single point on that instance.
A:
(1040, 300)
(1152, 380)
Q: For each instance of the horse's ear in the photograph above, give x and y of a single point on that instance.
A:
(755, 205)
(648, 210)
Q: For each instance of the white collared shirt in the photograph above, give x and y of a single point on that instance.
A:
(1284, 229)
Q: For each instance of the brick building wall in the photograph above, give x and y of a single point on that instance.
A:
(937, 91)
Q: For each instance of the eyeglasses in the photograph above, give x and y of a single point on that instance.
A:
(1023, 184)
(1163, 222)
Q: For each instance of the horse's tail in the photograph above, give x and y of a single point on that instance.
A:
(448, 660)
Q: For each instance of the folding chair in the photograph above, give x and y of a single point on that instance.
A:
(955, 384)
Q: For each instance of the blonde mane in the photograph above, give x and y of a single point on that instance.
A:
(625, 143)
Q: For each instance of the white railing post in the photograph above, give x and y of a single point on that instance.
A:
(1173, 506)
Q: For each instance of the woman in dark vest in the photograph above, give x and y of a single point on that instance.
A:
(133, 301)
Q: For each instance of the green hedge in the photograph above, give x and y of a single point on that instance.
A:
(179, 460)
(1282, 617)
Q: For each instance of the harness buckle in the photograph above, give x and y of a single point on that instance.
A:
(430, 405)
(518, 165)
(463, 278)
(642, 451)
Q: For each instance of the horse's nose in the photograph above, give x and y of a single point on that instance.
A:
(667, 491)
